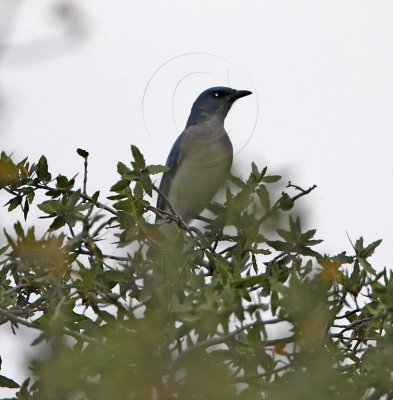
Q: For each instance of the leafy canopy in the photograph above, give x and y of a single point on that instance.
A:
(245, 308)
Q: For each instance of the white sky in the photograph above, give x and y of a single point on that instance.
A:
(321, 73)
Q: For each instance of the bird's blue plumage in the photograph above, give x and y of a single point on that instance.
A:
(166, 179)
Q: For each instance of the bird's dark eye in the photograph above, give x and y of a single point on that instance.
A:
(216, 94)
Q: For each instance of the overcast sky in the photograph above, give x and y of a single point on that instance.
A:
(112, 73)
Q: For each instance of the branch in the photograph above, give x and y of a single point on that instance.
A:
(303, 192)
(16, 320)
(89, 253)
(76, 335)
(85, 175)
(84, 196)
(221, 339)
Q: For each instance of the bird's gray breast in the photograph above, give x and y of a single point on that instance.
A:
(204, 164)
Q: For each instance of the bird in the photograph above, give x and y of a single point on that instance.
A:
(201, 157)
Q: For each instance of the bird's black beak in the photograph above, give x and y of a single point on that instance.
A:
(240, 93)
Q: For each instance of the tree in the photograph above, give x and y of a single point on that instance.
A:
(244, 309)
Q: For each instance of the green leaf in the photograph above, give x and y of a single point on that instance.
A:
(95, 196)
(39, 339)
(286, 235)
(271, 178)
(26, 208)
(61, 182)
(255, 170)
(263, 195)
(369, 250)
(120, 185)
(15, 202)
(237, 181)
(57, 223)
(30, 196)
(147, 185)
(138, 157)
(123, 169)
(73, 199)
(157, 169)
(281, 246)
(4, 249)
(82, 153)
(8, 383)
(49, 206)
(8, 171)
(295, 227)
(274, 302)
(249, 281)
(308, 235)
(306, 251)
(42, 170)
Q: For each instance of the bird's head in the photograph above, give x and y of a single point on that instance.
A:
(214, 102)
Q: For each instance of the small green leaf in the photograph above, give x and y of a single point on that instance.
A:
(30, 196)
(271, 178)
(61, 182)
(263, 195)
(49, 206)
(73, 199)
(8, 383)
(274, 302)
(157, 169)
(122, 168)
(94, 198)
(14, 203)
(26, 208)
(147, 185)
(255, 170)
(249, 281)
(369, 250)
(8, 171)
(57, 223)
(120, 185)
(237, 181)
(42, 170)
(281, 246)
(3, 250)
(138, 157)
(82, 153)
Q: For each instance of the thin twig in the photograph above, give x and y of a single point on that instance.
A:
(29, 324)
(221, 339)
(17, 320)
(89, 253)
(85, 175)
(303, 192)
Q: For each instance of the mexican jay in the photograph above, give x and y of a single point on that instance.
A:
(201, 157)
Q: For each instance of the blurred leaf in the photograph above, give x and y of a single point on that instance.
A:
(157, 169)
(271, 178)
(240, 307)
(8, 383)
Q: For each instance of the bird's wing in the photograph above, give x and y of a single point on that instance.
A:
(180, 150)
(173, 163)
